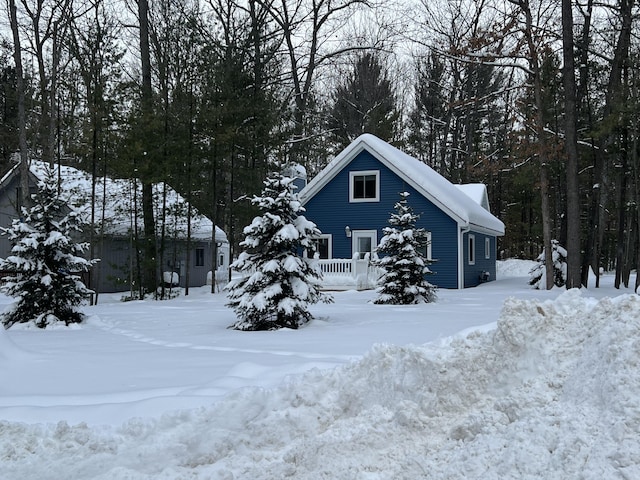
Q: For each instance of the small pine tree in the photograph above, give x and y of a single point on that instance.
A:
(45, 262)
(279, 284)
(403, 282)
(559, 256)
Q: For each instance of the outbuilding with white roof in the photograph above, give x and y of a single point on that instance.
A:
(115, 213)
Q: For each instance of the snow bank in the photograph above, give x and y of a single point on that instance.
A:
(513, 267)
(552, 392)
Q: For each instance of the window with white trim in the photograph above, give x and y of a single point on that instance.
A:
(425, 249)
(363, 242)
(472, 250)
(487, 248)
(323, 246)
(364, 186)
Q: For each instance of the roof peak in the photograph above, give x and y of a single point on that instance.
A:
(440, 191)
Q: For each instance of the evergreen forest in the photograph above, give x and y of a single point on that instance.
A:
(537, 99)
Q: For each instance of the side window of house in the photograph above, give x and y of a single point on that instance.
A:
(323, 246)
(425, 250)
(472, 250)
(364, 186)
(199, 257)
(220, 260)
(487, 248)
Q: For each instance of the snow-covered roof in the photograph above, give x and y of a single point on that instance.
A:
(459, 204)
(477, 192)
(295, 170)
(119, 201)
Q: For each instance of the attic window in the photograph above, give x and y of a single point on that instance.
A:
(364, 186)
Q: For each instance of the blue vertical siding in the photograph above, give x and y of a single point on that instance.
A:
(331, 211)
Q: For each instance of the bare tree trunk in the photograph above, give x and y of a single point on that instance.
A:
(571, 146)
(163, 239)
(636, 181)
(591, 257)
(187, 279)
(22, 124)
(136, 271)
(214, 220)
(637, 200)
(622, 221)
(620, 250)
(534, 67)
(614, 101)
(150, 248)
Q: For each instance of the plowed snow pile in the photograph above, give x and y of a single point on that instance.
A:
(553, 392)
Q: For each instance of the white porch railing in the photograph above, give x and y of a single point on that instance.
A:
(349, 274)
(346, 273)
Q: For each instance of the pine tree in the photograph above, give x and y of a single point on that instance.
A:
(278, 283)
(403, 282)
(364, 103)
(537, 275)
(45, 261)
(427, 119)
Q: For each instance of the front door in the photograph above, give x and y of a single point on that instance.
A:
(363, 242)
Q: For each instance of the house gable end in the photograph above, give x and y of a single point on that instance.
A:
(465, 211)
(330, 208)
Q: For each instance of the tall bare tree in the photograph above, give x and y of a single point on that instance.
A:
(573, 245)
(47, 26)
(22, 123)
(305, 26)
(540, 132)
(145, 165)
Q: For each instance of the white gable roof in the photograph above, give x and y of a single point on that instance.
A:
(119, 201)
(457, 203)
(477, 192)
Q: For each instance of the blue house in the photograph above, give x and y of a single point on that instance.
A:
(351, 200)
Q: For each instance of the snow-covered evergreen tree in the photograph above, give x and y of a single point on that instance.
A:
(404, 262)
(537, 275)
(45, 261)
(277, 283)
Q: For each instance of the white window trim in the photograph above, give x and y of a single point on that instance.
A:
(355, 234)
(329, 237)
(487, 248)
(429, 251)
(361, 173)
(471, 249)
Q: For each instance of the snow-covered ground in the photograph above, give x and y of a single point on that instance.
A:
(495, 382)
